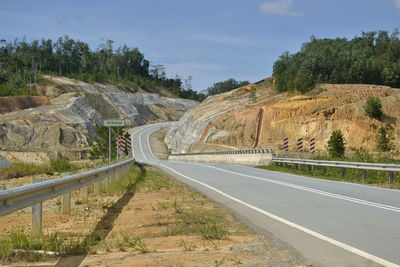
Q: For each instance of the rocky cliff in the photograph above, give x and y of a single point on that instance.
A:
(238, 120)
(65, 118)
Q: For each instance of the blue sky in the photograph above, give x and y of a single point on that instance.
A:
(211, 40)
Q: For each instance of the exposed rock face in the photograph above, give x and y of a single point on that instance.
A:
(68, 123)
(234, 120)
(51, 128)
(16, 103)
(141, 108)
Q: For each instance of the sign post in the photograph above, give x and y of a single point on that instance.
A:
(109, 124)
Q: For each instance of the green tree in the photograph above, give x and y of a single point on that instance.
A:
(373, 107)
(382, 140)
(100, 148)
(372, 58)
(304, 80)
(225, 86)
(336, 145)
(21, 63)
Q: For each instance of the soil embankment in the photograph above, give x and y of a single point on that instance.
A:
(16, 103)
(234, 120)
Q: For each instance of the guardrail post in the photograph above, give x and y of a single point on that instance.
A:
(106, 183)
(342, 171)
(309, 168)
(66, 203)
(117, 173)
(364, 176)
(83, 192)
(297, 166)
(36, 213)
(97, 191)
(323, 170)
(391, 177)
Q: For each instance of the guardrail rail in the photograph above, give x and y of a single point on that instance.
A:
(391, 168)
(41, 189)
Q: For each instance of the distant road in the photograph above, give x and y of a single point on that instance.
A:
(329, 223)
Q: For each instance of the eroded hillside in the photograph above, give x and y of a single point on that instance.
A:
(64, 119)
(237, 120)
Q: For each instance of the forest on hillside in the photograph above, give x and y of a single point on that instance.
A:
(372, 58)
(22, 62)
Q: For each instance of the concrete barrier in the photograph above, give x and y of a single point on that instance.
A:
(242, 159)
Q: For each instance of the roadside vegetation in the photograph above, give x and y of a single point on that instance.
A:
(379, 178)
(176, 212)
(21, 169)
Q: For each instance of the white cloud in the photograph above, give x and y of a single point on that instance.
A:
(281, 7)
(226, 40)
(397, 4)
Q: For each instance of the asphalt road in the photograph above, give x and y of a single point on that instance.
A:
(328, 223)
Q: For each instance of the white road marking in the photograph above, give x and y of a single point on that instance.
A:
(315, 191)
(141, 147)
(289, 223)
(296, 226)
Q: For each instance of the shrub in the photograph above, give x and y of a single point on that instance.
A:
(373, 107)
(61, 165)
(336, 145)
(382, 140)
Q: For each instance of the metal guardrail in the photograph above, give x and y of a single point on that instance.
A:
(391, 168)
(30, 195)
(237, 151)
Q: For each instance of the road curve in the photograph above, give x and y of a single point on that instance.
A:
(329, 223)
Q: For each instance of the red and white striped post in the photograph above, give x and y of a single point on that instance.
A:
(300, 146)
(312, 147)
(128, 144)
(286, 145)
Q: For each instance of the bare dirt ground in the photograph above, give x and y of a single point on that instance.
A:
(162, 223)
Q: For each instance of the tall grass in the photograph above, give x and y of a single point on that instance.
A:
(22, 245)
(28, 169)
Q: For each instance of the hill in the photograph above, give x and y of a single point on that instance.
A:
(63, 121)
(259, 116)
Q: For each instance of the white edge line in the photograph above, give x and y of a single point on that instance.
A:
(291, 224)
(308, 189)
(334, 181)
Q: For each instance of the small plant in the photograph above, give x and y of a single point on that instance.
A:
(212, 231)
(163, 205)
(373, 107)
(177, 206)
(133, 242)
(186, 246)
(140, 246)
(336, 145)
(382, 140)
(363, 155)
(252, 95)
